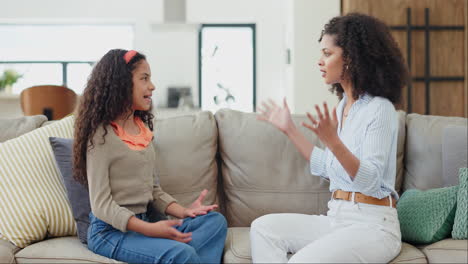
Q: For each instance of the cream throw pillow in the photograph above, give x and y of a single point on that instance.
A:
(33, 200)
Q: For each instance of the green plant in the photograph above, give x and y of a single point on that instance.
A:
(9, 77)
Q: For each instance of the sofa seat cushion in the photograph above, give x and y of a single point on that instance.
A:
(447, 251)
(237, 249)
(409, 254)
(60, 250)
(237, 246)
(7, 252)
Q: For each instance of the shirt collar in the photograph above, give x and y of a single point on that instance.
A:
(364, 98)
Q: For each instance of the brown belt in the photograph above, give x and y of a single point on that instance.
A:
(361, 198)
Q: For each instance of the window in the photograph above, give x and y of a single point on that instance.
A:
(58, 54)
(227, 67)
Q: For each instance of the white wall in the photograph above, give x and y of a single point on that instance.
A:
(173, 55)
(309, 17)
(10, 107)
(70, 9)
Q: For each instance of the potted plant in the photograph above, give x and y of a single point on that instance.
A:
(8, 78)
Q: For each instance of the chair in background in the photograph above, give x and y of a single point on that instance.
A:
(53, 101)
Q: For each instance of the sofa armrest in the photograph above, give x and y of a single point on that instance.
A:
(7, 252)
(15, 127)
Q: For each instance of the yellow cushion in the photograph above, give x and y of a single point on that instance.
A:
(33, 200)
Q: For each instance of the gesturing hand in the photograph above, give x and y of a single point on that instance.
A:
(325, 127)
(197, 207)
(165, 229)
(280, 117)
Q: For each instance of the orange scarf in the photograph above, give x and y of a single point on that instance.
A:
(134, 142)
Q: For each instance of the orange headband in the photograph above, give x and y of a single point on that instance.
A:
(129, 55)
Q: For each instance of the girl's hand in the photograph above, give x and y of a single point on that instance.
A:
(325, 127)
(165, 229)
(197, 207)
(280, 117)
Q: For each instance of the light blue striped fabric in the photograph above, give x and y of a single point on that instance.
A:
(370, 133)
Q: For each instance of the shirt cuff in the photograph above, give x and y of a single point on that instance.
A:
(163, 201)
(318, 158)
(362, 180)
(120, 220)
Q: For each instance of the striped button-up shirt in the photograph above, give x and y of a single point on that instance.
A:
(370, 133)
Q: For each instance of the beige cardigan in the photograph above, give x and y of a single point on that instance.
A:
(122, 181)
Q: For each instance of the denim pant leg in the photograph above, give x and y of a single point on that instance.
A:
(132, 247)
(208, 235)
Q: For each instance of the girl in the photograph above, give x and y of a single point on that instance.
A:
(114, 156)
(363, 64)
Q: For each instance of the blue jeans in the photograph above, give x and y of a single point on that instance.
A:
(208, 236)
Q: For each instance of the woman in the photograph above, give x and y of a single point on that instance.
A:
(114, 156)
(362, 62)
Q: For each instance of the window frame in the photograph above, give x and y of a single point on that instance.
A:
(80, 22)
(254, 58)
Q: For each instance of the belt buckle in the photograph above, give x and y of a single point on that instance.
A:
(333, 195)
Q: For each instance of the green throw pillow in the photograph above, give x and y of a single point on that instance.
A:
(460, 227)
(427, 216)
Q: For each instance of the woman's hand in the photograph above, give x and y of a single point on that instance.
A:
(280, 117)
(197, 207)
(325, 127)
(165, 229)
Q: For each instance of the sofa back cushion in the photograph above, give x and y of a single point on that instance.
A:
(186, 156)
(15, 127)
(33, 201)
(423, 156)
(400, 168)
(454, 153)
(262, 172)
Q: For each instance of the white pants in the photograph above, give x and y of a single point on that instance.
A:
(351, 232)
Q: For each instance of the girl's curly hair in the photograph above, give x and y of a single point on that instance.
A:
(371, 56)
(108, 95)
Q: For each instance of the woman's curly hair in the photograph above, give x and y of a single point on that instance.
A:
(108, 95)
(372, 59)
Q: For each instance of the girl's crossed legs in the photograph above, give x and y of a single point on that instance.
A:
(208, 236)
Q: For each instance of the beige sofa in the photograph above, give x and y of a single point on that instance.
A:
(251, 169)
